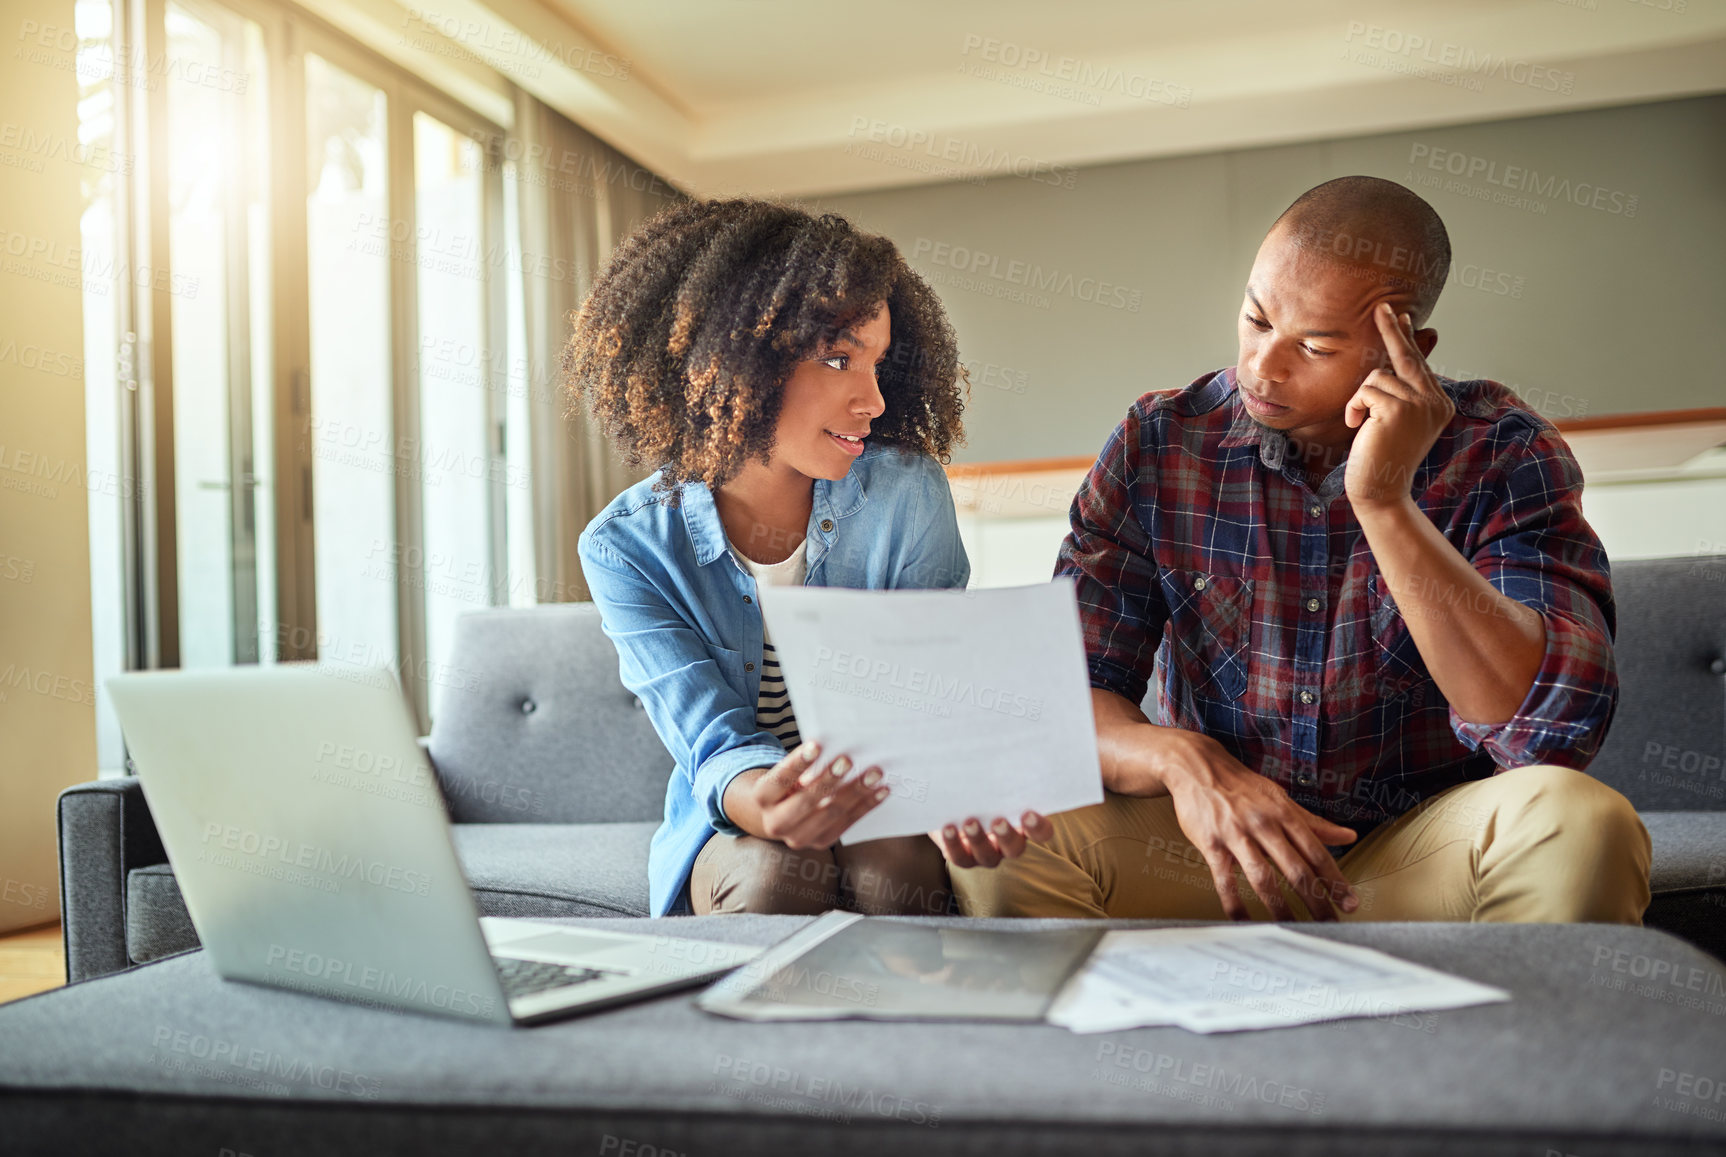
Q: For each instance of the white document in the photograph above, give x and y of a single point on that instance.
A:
(972, 703)
(1232, 977)
(1092, 1002)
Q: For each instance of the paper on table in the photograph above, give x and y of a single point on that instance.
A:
(973, 703)
(1232, 977)
(1091, 1002)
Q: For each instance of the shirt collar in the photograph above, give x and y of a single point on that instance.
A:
(838, 499)
(831, 502)
(1243, 431)
(1273, 444)
(701, 519)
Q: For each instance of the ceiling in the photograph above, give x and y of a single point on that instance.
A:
(803, 97)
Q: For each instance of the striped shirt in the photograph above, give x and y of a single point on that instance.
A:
(773, 707)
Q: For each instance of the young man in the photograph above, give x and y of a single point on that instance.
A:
(1388, 625)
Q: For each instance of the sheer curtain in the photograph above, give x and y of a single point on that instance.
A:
(578, 197)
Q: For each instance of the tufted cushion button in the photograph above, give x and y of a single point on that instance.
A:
(1718, 666)
(528, 707)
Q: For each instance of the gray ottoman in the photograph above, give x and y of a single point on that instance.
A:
(1614, 1043)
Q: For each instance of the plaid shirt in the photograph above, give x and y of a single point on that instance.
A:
(1281, 640)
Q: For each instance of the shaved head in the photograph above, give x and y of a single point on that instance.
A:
(1311, 325)
(1375, 229)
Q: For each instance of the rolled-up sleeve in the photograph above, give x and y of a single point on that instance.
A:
(705, 724)
(1535, 547)
(1107, 552)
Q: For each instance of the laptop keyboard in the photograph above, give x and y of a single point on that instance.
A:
(525, 977)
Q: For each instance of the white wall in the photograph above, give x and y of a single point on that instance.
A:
(1657, 519)
(1654, 519)
(47, 706)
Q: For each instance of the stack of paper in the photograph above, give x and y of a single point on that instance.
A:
(1232, 977)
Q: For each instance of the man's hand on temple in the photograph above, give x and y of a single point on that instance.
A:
(1482, 648)
(1400, 410)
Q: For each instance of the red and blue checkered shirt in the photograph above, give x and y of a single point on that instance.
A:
(1200, 551)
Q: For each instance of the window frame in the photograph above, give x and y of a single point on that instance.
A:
(151, 594)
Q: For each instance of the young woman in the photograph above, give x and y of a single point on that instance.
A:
(795, 382)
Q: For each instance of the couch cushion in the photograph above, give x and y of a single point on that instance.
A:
(534, 724)
(1586, 1058)
(1689, 851)
(556, 869)
(514, 870)
(1689, 877)
(1666, 747)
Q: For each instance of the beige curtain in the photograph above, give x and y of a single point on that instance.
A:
(578, 198)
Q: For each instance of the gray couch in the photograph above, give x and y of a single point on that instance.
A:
(556, 780)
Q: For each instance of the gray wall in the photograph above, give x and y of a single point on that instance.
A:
(1613, 305)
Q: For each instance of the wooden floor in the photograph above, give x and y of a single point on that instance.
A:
(31, 961)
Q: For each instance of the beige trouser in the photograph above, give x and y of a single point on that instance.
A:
(1535, 844)
(893, 877)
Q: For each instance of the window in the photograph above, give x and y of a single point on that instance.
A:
(459, 468)
(296, 344)
(219, 328)
(110, 350)
(352, 491)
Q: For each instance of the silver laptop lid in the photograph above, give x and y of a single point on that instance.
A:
(308, 834)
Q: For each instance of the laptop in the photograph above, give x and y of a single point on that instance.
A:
(311, 844)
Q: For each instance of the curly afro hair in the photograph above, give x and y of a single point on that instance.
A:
(694, 326)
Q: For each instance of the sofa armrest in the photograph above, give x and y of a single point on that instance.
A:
(105, 832)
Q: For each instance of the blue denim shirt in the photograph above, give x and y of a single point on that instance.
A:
(684, 616)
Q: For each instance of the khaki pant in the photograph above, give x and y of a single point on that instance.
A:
(893, 877)
(1532, 844)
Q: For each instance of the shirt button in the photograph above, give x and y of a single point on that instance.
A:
(826, 524)
(1308, 698)
(747, 599)
(1311, 604)
(1315, 510)
(1198, 584)
(749, 666)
